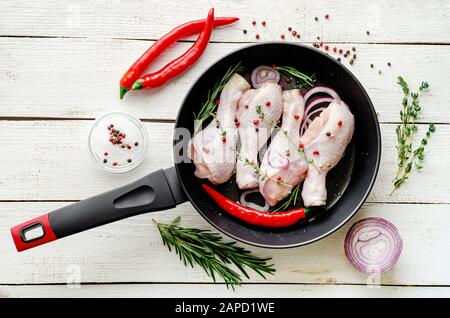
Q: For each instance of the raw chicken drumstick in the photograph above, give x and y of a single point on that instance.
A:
(257, 109)
(213, 149)
(324, 143)
(284, 162)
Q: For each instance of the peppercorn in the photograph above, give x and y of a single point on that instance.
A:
(298, 36)
(353, 49)
(338, 59)
(351, 62)
(136, 144)
(105, 153)
(124, 146)
(345, 54)
(367, 32)
(389, 63)
(256, 129)
(354, 56)
(371, 65)
(105, 160)
(316, 18)
(128, 146)
(246, 106)
(245, 31)
(129, 160)
(289, 29)
(328, 134)
(379, 72)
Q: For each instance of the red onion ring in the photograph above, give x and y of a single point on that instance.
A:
(373, 245)
(278, 161)
(252, 205)
(308, 120)
(317, 101)
(320, 89)
(263, 74)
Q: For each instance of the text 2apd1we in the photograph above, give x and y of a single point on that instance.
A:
(226, 307)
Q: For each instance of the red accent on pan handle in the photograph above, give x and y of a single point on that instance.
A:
(40, 225)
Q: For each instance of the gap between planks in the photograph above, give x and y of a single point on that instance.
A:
(156, 120)
(226, 42)
(222, 283)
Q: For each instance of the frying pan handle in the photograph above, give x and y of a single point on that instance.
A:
(157, 191)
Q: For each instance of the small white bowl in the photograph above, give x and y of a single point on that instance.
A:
(114, 157)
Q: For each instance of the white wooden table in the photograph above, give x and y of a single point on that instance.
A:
(60, 63)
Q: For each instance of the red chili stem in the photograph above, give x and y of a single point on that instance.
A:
(183, 31)
(255, 217)
(180, 64)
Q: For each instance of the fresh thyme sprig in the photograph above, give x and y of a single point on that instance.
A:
(206, 249)
(409, 160)
(263, 175)
(209, 106)
(302, 79)
(274, 125)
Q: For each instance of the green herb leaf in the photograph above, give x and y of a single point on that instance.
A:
(407, 157)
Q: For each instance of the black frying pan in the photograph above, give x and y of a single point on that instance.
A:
(348, 184)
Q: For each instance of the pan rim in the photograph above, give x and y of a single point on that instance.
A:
(363, 197)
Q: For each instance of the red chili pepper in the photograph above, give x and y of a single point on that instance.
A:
(181, 63)
(252, 216)
(180, 32)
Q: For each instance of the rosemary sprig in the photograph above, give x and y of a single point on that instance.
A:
(409, 160)
(302, 79)
(289, 201)
(206, 249)
(208, 108)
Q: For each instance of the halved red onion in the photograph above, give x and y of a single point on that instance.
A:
(252, 205)
(373, 245)
(263, 74)
(309, 119)
(277, 161)
(320, 89)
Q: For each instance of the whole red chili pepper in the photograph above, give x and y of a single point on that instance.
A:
(252, 216)
(180, 32)
(181, 63)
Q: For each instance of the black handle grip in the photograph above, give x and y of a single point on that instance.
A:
(157, 191)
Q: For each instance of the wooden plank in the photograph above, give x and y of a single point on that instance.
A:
(151, 19)
(131, 251)
(78, 78)
(216, 291)
(49, 160)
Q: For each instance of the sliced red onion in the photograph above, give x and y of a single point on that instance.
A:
(263, 74)
(373, 245)
(309, 119)
(315, 102)
(277, 161)
(320, 89)
(252, 205)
